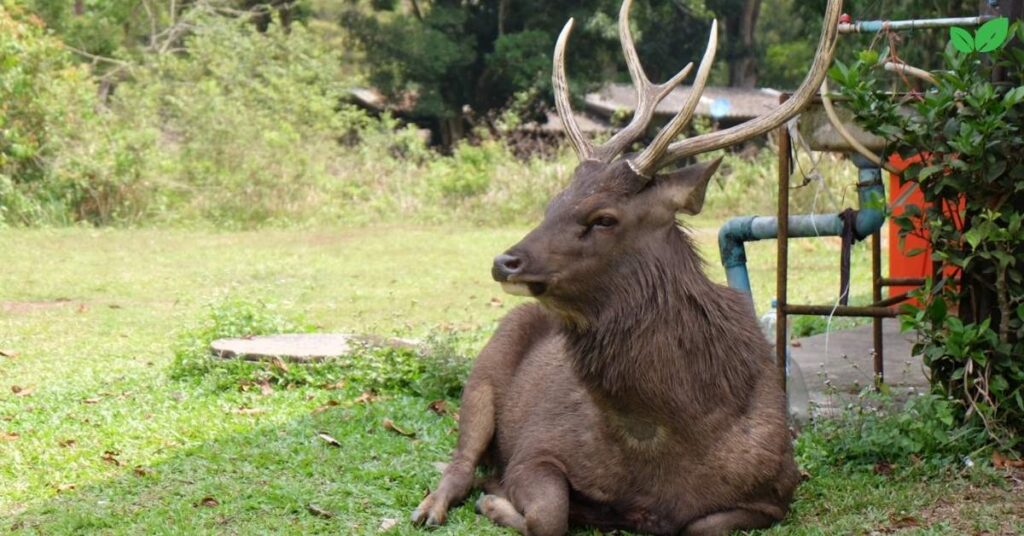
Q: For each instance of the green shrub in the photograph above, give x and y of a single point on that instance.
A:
(966, 132)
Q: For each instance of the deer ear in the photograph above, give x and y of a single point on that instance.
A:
(684, 189)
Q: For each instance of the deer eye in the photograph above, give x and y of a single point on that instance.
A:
(604, 222)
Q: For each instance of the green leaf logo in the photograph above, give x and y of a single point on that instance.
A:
(963, 41)
(992, 34)
(989, 37)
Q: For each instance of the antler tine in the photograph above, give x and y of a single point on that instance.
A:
(646, 163)
(584, 150)
(778, 116)
(648, 95)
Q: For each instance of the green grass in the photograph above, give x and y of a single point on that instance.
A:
(94, 317)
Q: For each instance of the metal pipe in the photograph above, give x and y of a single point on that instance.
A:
(737, 231)
(893, 300)
(781, 320)
(874, 26)
(901, 281)
(876, 296)
(841, 310)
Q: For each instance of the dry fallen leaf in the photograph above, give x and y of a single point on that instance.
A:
(998, 460)
(248, 411)
(330, 404)
(280, 364)
(22, 391)
(391, 426)
(340, 384)
(67, 443)
(496, 302)
(327, 438)
(9, 436)
(904, 522)
(319, 512)
(142, 471)
(366, 398)
(796, 344)
(82, 308)
(439, 407)
(883, 468)
(95, 400)
(110, 456)
(388, 524)
(208, 502)
(265, 388)
(65, 487)
(10, 354)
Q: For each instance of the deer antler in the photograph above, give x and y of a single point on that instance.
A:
(584, 149)
(662, 152)
(778, 116)
(648, 95)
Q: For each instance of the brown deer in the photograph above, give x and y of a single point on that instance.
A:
(636, 394)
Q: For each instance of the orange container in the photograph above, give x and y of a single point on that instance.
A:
(900, 264)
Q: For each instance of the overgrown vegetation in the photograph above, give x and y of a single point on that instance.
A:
(216, 122)
(435, 368)
(921, 433)
(967, 149)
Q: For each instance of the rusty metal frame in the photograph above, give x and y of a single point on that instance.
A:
(879, 310)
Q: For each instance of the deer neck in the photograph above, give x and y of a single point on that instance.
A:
(661, 344)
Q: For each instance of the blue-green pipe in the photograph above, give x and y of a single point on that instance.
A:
(875, 26)
(737, 231)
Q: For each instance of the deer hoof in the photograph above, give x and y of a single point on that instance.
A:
(430, 512)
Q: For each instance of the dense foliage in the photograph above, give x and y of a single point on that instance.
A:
(448, 55)
(966, 135)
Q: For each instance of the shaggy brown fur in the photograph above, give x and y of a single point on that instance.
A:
(637, 394)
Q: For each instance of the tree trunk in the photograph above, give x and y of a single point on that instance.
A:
(453, 129)
(503, 6)
(740, 29)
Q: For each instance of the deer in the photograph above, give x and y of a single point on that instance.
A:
(632, 392)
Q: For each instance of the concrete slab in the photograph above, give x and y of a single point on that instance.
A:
(840, 363)
(301, 347)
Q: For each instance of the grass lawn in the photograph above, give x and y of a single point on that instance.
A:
(96, 437)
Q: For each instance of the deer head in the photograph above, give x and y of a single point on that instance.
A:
(619, 209)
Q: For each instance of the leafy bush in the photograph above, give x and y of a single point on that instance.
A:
(965, 133)
(45, 99)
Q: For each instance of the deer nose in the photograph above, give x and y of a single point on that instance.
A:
(506, 266)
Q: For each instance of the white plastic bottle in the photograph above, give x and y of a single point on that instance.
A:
(796, 388)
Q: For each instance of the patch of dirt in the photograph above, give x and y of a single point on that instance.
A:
(26, 307)
(975, 510)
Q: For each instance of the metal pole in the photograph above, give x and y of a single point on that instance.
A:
(782, 272)
(842, 310)
(876, 296)
(873, 26)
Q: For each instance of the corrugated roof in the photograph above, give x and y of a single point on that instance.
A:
(553, 125)
(716, 102)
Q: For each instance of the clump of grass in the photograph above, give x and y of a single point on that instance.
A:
(435, 369)
(920, 433)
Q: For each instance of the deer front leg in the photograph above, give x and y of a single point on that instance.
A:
(476, 427)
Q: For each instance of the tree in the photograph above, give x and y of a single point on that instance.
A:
(454, 54)
(739, 18)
